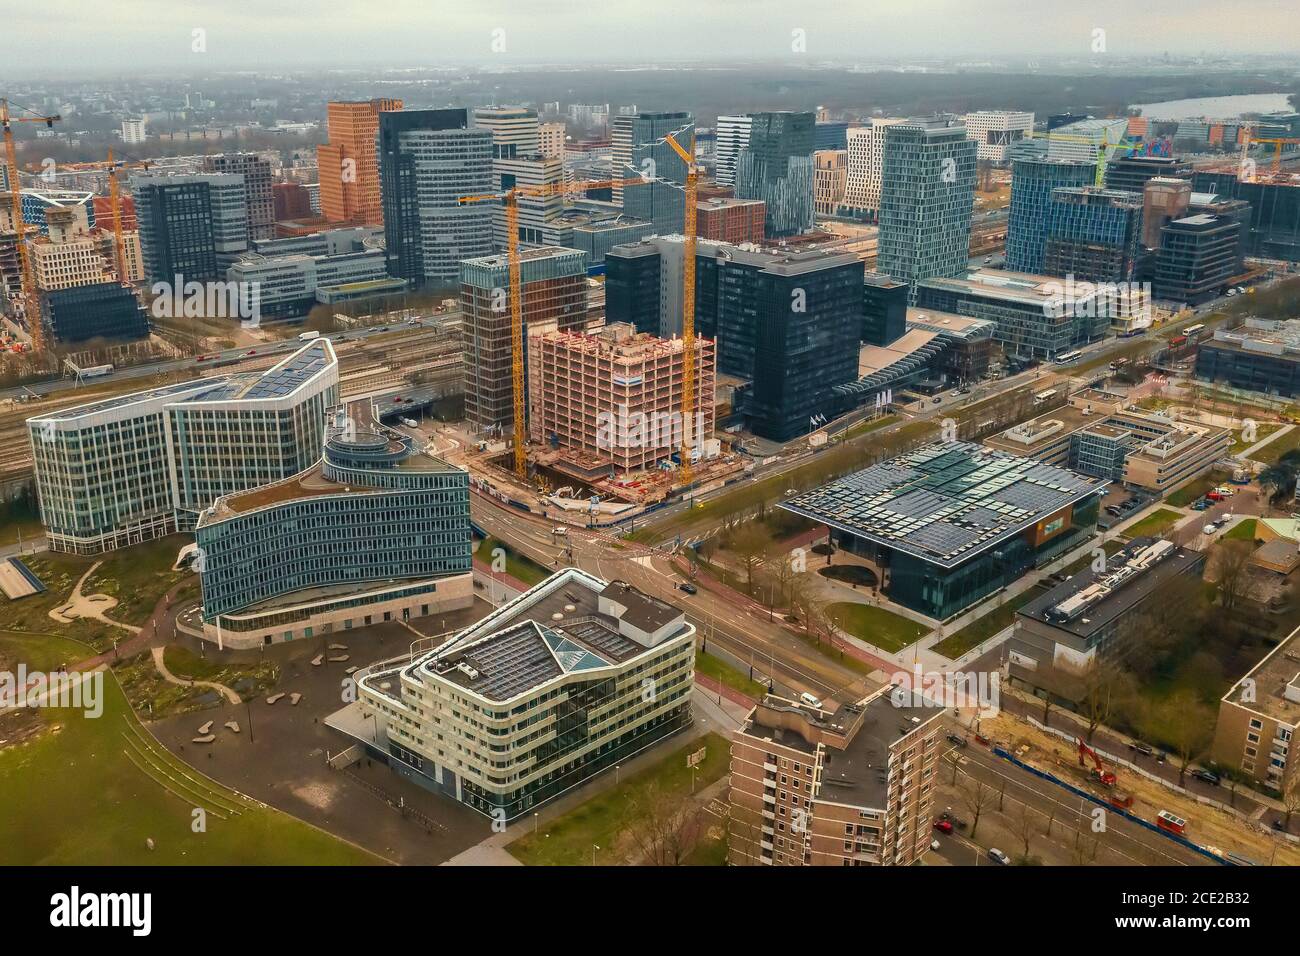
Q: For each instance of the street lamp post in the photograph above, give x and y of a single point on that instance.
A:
(594, 848)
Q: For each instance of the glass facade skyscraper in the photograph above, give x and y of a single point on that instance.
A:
(1032, 184)
(661, 203)
(1093, 234)
(926, 196)
(776, 166)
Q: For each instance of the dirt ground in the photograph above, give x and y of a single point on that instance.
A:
(1207, 826)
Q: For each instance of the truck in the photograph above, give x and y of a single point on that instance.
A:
(308, 336)
(97, 371)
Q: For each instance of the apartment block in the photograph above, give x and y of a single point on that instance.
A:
(562, 683)
(732, 137)
(866, 159)
(347, 164)
(613, 399)
(1258, 718)
(853, 787)
(829, 180)
(258, 181)
(554, 290)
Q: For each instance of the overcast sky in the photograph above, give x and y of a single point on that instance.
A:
(137, 36)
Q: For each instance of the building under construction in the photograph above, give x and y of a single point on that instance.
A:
(612, 401)
(553, 295)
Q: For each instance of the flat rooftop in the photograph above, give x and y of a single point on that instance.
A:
(946, 502)
(873, 358)
(1273, 675)
(1033, 436)
(1121, 599)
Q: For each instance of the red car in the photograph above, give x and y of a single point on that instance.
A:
(943, 826)
(251, 352)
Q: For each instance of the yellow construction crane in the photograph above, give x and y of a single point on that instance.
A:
(115, 199)
(31, 305)
(1104, 150)
(688, 303)
(510, 200)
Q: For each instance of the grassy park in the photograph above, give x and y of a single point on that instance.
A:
(106, 787)
(724, 673)
(518, 566)
(981, 629)
(875, 625)
(1154, 524)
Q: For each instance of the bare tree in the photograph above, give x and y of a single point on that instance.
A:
(975, 794)
(1025, 830)
(1104, 685)
(1290, 795)
(1230, 570)
(666, 828)
(748, 543)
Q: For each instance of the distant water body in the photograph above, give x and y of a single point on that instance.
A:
(1215, 107)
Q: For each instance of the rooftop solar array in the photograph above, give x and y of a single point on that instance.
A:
(508, 663)
(292, 372)
(945, 502)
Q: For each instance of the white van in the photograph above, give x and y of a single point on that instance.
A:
(810, 700)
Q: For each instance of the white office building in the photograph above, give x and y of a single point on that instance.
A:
(995, 130)
(732, 137)
(866, 161)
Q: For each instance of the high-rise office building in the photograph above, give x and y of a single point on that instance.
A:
(1086, 139)
(515, 130)
(1162, 200)
(777, 167)
(428, 161)
(926, 198)
(553, 284)
(517, 160)
(996, 130)
(1198, 255)
(1093, 234)
(347, 164)
(258, 180)
(662, 200)
(128, 468)
(620, 154)
(830, 134)
(176, 238)
(732, 137)
(107, 310)
(866, 159)
(373, 530)
(1132, 173)
(1032, 184)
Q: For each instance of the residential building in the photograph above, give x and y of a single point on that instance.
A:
(1258, 718)
(258, 180)
(374, 530)
(865, 169)
(133, 131)
(612, 400)
(68, 256)
(1094, 616)
(732, 138)
(290, 201)
(566, 681)
(348, 184)
(104, 310)
(927, 194)
(1033, 181)
(1037, 317)
(730, 220)
(776, 166)
(1261, 356)
(995, 130)
(852, 787)
(1093, 234)
(36, 202)
(554, 289)
(662, 201)
(830, 178)
(429, 161)
(550, 140)
(949, 524)
(125, 469)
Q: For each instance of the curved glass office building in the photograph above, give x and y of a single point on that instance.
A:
(374, 531)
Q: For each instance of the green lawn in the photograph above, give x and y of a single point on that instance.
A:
(721, 671)
(518, 566)
(981, 629)
(604, 819)
(1261, 432)
(870, 425)
(89, 792)
(1154, 524)
(875, 625)
(20, 522)
(1195, 488)
(1278, 447)
(1243, 530)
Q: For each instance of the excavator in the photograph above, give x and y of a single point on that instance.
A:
(1106, 778)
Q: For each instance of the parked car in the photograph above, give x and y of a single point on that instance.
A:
(957, 740)
(1210, 529)
(688, 588)
(1140, 747)
(943, 826)
(997, 856)
(934, 844)
(1206, 776)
